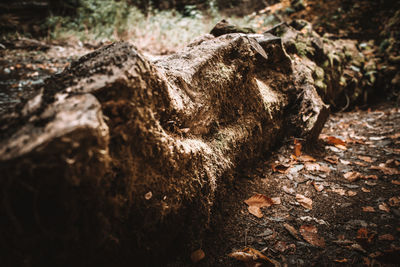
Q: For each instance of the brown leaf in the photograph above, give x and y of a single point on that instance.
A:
(396, 182)
(297, 148)
(394, 201)
(394, 136)
(292, 230)
(387, 237)
(304, 201)
(372, 176)
(362, 233)
(259, 201)
(339, 191)
(306, 158)
(313, 166)
(366, 159)
(335, 141)
(344, 260)
(310, 234)
(251, 257)
(351, 193)
(288, 190)
(324, 168)
(375, 254)
(359, 163)
(256, 211)
(386, 170)
(281, 168)
(345, 162)
(384, 207)
(197, 255)
(365, 190)
(276, 200)
(357, 247)
(368, 209)
(352, 176)
(318, 187)
(332, 159)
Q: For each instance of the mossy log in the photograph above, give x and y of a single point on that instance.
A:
(119, 159)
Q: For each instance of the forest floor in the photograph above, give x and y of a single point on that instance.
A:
(338, 203)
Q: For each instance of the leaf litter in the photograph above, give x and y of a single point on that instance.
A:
(350, 191)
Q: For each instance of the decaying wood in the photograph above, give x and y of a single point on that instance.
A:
(118, 150)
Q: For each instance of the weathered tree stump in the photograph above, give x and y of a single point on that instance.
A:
(118, 158)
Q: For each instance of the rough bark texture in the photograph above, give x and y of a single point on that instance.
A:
(120, 157)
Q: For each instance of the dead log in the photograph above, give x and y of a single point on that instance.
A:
(119, 157)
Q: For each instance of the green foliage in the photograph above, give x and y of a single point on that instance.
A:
(156, 31)
(100, 18)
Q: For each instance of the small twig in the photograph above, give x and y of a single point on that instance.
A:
(245, 238)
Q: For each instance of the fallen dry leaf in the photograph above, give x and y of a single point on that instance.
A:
(251, 257)
(318, 187)
(394, 201)
(281, 168)
(292, 230)
(372, 176)
(394, 136)
(324, 168)
(357, 247)
(387, 237)
(345, 162)
(276, 200)
(344, 260)
(260, 201)
(365, 190)
(396, 182)
(362, 233)
(351, 193)
(304, 201)
(366, 159)
(368, 209)
(297, 148)
(288, 190)
(310, 234)
(339, 143)
(332, 159)
(306, 158)
(313, 166)
(386, 170)
(197, 255)
(352, 176)
(384, 207)
(359, 163)
(339, 191)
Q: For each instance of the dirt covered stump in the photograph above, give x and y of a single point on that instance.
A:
(119, 159)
